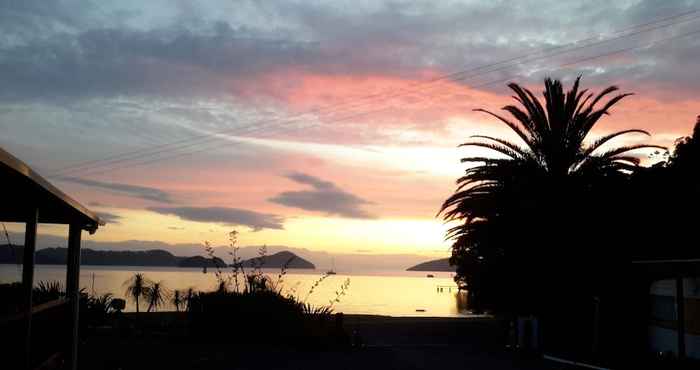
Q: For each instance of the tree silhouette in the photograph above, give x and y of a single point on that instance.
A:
(156, 295)
(190, 296)
(177, 300)
(671, 189)
(136, 287)
(686, 155)
(521, 210)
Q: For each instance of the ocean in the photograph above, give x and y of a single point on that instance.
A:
(391, 293)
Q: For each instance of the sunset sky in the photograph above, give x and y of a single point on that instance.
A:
(326, 125)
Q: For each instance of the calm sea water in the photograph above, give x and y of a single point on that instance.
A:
(393, 293)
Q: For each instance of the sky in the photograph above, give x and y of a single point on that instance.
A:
(326, 125)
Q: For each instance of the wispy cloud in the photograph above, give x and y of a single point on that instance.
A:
(137, 191)
(325, 197)
(227, 216)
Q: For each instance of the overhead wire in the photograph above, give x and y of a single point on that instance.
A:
(88, 167)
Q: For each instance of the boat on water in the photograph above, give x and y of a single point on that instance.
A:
(430, 275)
(332, 270)
(204, 270)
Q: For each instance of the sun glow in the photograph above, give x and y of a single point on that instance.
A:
(330, 234)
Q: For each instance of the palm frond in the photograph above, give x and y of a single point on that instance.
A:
(602, 94)
(505, 150)
(532, 105)
(513, 126)
(621, 150)
(516, 148)
(601, 141)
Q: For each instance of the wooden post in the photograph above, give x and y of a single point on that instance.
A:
(596, 325)
(680, 317)
(73, 291)
(28, 282)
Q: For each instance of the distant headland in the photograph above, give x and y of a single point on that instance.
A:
(442, 264)
(156, 257)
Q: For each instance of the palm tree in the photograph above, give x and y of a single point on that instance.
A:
(136, 287)
(554, 148)
(532, 192)
(177, 300)
(156, 295)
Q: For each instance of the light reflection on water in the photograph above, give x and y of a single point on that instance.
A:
(394, 293)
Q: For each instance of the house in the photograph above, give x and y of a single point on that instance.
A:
(39, 336)
(674, 306)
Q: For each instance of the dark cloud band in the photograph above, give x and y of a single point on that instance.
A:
(325, 197)
(135, 191)
(227, 216)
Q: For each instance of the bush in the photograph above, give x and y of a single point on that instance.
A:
(249, 308)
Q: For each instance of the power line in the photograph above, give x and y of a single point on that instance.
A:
(619, 51)
(164, 148)
(603, 55)
(188, 142)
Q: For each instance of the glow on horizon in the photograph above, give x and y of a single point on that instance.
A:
(329, 234)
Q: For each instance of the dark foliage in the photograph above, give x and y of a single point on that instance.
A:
(262, 316)
(529, 218)
(551, 228)
(11, 294)
(137, 288)
(671, 190)
(250, 308)
(47, 291)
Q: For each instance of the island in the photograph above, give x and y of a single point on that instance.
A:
(283, 259)
(442, 264)
(199, 261)
(13, 254)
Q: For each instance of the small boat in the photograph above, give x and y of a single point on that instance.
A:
(204, 270)
(332, 270)
(430, 276)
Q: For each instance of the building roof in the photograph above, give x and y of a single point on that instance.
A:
(24, 189)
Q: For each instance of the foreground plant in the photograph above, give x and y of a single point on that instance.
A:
(156, 295)
(247, 300)
(136, 287)
(177, 299)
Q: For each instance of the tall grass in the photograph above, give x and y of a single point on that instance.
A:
(248, 302)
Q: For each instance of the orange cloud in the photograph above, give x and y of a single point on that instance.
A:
(366, 108)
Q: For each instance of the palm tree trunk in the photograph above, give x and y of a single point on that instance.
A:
(137, 304)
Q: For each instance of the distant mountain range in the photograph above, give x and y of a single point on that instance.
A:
(443, 264)
(348, 261)
(156, 257)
